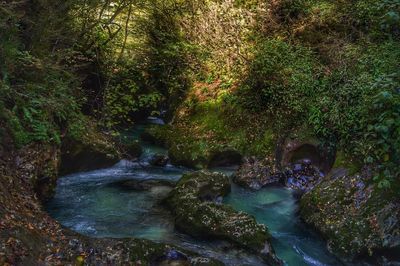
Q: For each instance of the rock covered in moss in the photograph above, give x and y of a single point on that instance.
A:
(87, 154)
(353, 214)
(185, 149)
(196, 205)
(256, 173)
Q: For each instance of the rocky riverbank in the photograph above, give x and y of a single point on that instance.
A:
(29, 236)
(359, 220)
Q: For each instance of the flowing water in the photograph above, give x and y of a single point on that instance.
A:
(95, 204)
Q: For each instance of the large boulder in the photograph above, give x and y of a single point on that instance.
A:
(196, 205)
(256, 173)
(78, 156)
(353, 214)
(86, 155)
(185, 149)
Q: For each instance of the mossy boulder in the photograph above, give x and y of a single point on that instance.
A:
(196, 205)
(256, 173)
(144, 252)
(87, 154)
(353, 214)
(185, 149)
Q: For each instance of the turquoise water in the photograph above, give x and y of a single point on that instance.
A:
(277, 208)
(94, 204)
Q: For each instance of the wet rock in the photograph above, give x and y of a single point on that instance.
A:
(195, 203)
(29, 236)
(255, 174)
(302, 176)
(353, 214)
(159, 160)
(84, 155)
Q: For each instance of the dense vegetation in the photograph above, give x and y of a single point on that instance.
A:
(262, 68)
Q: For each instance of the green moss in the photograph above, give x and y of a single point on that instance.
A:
(344, 161)
(352, 215)
(193, 204)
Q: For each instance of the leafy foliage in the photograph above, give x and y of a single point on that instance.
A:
(127, 96)
(236, 70)
(280, 78)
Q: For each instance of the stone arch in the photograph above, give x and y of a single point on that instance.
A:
(320, 157)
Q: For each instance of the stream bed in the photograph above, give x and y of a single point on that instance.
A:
(95, 204)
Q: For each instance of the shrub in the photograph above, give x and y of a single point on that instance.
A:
(357, 107)
(280, 80)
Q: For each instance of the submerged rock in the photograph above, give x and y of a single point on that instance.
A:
(255, 174)
(353, 214)
(195, 203)
(143, 185)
